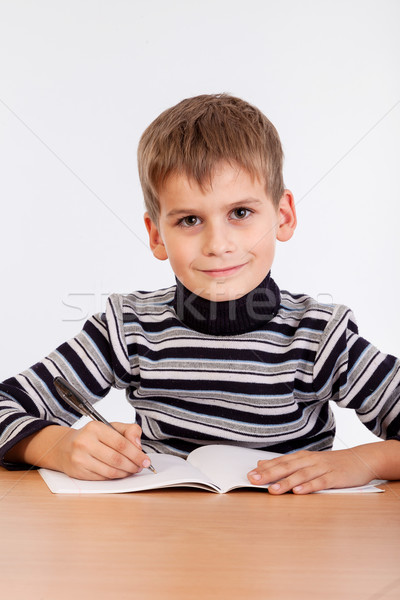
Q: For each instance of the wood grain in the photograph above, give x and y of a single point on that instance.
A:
(172, 544)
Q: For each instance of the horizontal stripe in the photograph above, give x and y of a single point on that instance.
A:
(269, 388)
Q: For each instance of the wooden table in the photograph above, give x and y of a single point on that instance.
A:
(184, 544)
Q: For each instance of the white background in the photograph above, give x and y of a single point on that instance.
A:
(81, 79)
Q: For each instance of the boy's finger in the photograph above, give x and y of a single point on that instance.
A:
(301, 466)
(101, 470)
(297, 480)
(131, 431)
(111, 464)
(117, 442)
(265, 473)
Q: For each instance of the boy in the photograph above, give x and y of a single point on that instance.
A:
(224, 356)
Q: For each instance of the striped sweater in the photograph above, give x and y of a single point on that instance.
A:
(264, 383)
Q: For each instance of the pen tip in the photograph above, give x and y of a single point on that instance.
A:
(152, 469)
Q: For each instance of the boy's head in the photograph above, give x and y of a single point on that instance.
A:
(211, 171)
(195, 136)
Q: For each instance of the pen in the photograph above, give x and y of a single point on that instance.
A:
(77, 401)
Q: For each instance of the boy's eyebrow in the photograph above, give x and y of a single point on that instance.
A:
(189, 211)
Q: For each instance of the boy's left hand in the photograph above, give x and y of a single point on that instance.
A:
(304, 472)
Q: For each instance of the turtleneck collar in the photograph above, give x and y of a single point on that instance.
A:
(230, 317)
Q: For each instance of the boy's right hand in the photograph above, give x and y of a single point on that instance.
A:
(99, 452)
(94, 452)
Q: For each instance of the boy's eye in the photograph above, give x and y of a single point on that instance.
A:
(240, 213)
(189, 221)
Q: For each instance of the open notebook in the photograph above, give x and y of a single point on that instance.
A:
(216, 468)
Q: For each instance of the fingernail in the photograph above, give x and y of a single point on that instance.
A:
(276, 486)
(146, 463)
(256, 476)
(138, 442)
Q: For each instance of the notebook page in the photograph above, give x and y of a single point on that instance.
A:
(228, 465)
(171, 471)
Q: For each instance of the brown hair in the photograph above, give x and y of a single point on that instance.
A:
(192, 137)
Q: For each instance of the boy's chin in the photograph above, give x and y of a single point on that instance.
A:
(222, 292)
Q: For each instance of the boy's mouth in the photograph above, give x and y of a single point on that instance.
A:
(224, 272)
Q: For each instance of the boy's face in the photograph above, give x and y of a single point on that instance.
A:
(221, 241)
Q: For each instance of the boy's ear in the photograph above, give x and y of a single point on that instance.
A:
(155, 239)
(287, 217)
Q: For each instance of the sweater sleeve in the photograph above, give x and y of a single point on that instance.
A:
(93, 361)
(355, 374)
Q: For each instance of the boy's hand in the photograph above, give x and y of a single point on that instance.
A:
(304, 472)
(98, 452)
(94, 452)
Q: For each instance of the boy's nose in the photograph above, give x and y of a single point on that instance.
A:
(217, 241)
